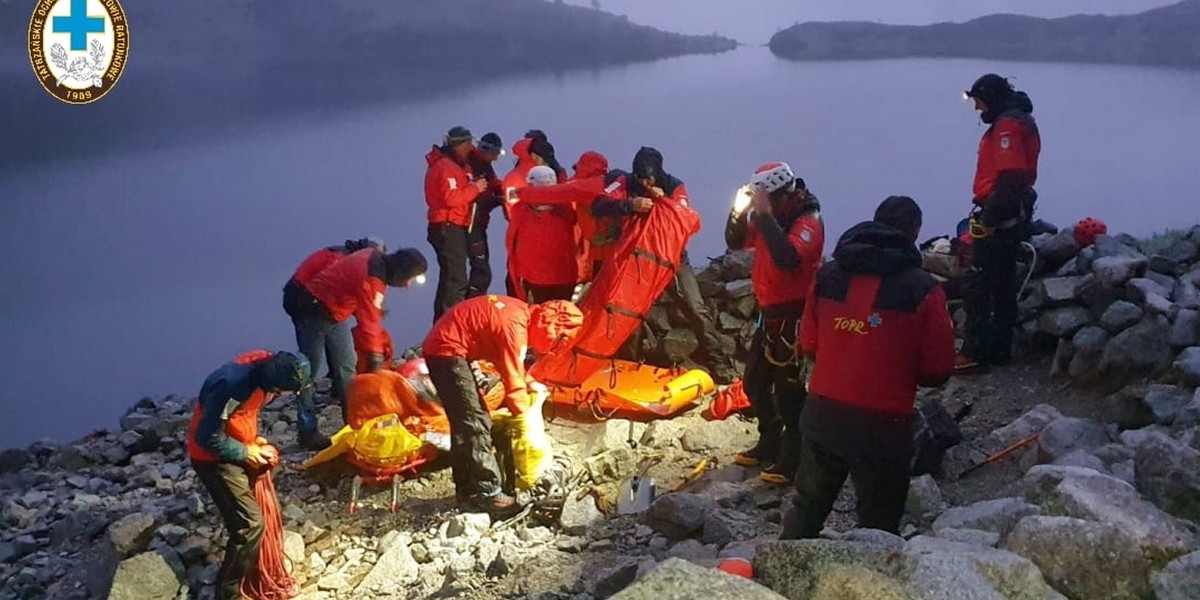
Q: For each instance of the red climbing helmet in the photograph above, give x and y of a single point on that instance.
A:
(1087, 229)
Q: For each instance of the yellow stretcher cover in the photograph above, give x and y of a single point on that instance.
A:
(529, 447)
(382, 442)
(632, 389)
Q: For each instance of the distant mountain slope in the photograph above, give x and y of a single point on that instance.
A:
(1168, 36)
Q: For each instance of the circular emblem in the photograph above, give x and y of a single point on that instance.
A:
(78, 48)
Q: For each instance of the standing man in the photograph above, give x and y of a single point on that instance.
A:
(544, 258)
(788, 236)
(877, 327)
(498, 329)
(355, 285)
(227, 452)
(649, 183)
(479, 255)
(1004, 201)
(450, 194)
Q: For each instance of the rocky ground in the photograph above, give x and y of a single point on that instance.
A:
(1103, 505)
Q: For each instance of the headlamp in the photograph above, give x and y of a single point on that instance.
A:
(966, 95)
(741, 200)
(419, 279)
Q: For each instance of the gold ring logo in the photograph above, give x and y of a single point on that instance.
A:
(78, 48)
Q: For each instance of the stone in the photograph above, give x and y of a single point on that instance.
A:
(1125, 471)
(728, 322)
(1083, 559)
(1186, 295)
(1056, 249)
(15, 459)
(692, 550)
(745, 308)
(1117, 270)
(1081, 458)
(1127, 409)
(396, 567)
(1056, 291)
(973, 537)
(614, 465)
(746, 549)
(1165, 401)
(1064, 322)
(1180, 253)
(1168, 474)
(1158, 305)
(705, 436)
(471, 525)
(1189, 415)
(946, 570)
(737, 264)
(607, 582)
(1188, 366)
(924, 498)
(1090, 340)
(678, 345)
(333, 582)
(724, 526)
(131, 534)
(1068, 434)
(676, 579)
(874, 536)
(679, 515)
(1185, 331)
(172, 534)
(311, 532)
(293, 547)
(816, 568)
(1180, 579)
(147, 576)
(658, 320)
(1143, 287)
(1089, 495)
(999, 515)
(741, 288)
(579, 517)
(1121, 315)
(1140, 348)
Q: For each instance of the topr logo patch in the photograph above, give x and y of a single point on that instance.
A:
(78, 48)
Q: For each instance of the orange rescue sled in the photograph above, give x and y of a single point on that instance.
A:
(634, 390)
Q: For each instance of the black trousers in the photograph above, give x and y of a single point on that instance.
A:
(990, 298)
(479, 260)
(685, 293)
(475, 470)
(880, 482)
(450, 244)
(232, 489)
(545, 293)
(776, 392)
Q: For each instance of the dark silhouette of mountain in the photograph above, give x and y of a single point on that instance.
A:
(1167, 36)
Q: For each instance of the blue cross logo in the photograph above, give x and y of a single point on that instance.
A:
(78, 24)
(874, 320)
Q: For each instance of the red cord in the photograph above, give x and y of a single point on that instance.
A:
(270, 579)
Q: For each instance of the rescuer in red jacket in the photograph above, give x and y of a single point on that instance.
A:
(498, 329)
(1004, 202)
(543, 257)
(788, 236)
(877, 327)
(355, 285)
(294, 296)
(450, 193)
(479, 256)
(533, 150)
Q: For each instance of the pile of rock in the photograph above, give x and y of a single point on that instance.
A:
(1118, 312)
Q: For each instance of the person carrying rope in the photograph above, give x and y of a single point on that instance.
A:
(1000, 222)
(234, 464)
(788, 236)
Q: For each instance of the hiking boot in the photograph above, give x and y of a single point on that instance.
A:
(755, 456)
(313, 440)
(776, 474)
(500, 506)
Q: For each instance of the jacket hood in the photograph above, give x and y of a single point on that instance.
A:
(876, 249)
(434, 155)
(648, 161)
(590, 164)
(521, 151)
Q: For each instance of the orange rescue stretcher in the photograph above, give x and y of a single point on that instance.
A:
(634, 390)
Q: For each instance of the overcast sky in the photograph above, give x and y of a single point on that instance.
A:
(754, 21)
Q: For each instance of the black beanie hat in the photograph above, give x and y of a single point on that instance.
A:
(490, 143)
(458, 135)
(404, 264)
(900, 212)
(648, 162)
(992, 89)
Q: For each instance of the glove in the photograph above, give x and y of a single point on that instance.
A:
(374, 361)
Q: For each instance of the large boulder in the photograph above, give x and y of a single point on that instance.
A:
(678, 516)
(131, 534)
(1083, 559)
(1054, 250)
(811, 569)
(1186, 295)
(1033, 421)
(1179, 580)
(677, 579)
(1064, 322)
(948, 570)
(724, 526)
(999, 515)
(1188, 366)
(147, 576)
(1121, 315)
(1089, 495)
(1165, 401)
(396, 567)
(1068, 434)
(1117, 270)
(1139, 349)
(1168, 474)
(1057, 291)
(579, 516)
(1185, 331)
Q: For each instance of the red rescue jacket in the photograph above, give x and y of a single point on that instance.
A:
(356, 286)
(317, 262)
(449, 192)
(229, 403)
(1012, 143)
(598, 235)
(877, 325)
(491, 328)
(786, 279)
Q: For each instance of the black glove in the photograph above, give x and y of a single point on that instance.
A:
(374, 361)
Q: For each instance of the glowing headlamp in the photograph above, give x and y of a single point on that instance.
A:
(419, 279)
(741, 200)
(966, 95)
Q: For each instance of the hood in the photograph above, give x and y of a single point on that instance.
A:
(435, 154)
(876, 249)
(648, 161)
(1016, 102)
(552, 322)
(1020, 101)
(590, 164)
(521, 151)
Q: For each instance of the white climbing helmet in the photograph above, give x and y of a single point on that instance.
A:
(774, 176)
(541, 175)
